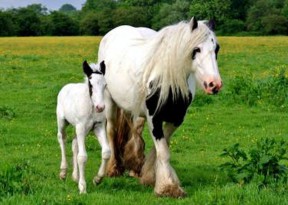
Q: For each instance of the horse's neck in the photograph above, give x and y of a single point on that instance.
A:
(192, 84)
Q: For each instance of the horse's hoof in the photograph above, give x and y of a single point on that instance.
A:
(147, 180)
(173, 191)
(134, 174)
(97, 180)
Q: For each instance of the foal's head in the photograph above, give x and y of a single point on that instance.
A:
(97, 83)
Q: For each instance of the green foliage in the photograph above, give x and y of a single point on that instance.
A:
(261, 164)
(268, 91)
(7, 113)
(231, 16)
(63, 25)
(171, 13)
(16, 180)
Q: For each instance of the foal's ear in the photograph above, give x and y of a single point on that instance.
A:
(86, 68)
(102, 67)
(193, 23)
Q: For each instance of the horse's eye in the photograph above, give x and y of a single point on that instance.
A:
(195, 50)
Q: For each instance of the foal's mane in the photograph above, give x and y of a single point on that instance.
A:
(169, 61)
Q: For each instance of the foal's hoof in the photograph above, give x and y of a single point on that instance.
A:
(62, 174)
(97, 180)
(173, 191)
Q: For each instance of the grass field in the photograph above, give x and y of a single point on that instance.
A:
(252, 105)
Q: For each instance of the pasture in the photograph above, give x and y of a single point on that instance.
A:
(252, 105)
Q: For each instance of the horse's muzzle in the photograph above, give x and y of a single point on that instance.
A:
(213, 87)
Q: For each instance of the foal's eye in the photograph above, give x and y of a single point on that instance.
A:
(195, 50)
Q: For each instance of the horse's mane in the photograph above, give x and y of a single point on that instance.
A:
(169, 60)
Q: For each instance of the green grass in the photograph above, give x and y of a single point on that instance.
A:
(32, 71)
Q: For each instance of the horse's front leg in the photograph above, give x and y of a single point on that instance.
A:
(100, 132)
(167, 182)
(148, 169)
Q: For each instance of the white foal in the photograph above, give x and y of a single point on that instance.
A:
(82, 105)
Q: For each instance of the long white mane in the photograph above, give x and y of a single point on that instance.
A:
(170, 58)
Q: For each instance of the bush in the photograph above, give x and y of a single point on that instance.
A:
(232, 26)
(16, 180)
(267, 91)
(275, 24)
(261, 164)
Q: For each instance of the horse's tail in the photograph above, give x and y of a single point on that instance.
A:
(130, 143)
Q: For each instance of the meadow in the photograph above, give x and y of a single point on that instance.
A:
(252, 105)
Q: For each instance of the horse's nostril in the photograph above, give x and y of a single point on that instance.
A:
(211, 85)
(205, 85)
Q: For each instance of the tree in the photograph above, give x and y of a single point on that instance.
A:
(218, 10)
(28, 21)
(274, 24)
(265, 16)
(63, 25)
(89, 24)
(99, 5)
(133, 15)
(67, 8)
(171, 13)
(7, 24)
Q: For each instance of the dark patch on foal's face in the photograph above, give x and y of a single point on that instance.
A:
(89, 83)
(172, 111)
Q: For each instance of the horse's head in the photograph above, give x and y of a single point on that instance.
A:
(97, 83)
(204, 58)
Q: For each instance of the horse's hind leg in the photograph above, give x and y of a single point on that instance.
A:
(61, 135)
(134, 149)
(100, 132)
(114, 167)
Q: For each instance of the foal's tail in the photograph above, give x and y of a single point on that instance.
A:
(131, 146)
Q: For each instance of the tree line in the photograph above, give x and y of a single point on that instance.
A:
(97, 17)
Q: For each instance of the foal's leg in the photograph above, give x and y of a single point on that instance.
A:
(81, 132)
(148, 169)
(100, 132)
(167, 182)
(62, 140)
(75, 173)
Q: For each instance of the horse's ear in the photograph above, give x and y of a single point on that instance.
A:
(86, 68)
(102, 67)
(193, 23)
(211, 24)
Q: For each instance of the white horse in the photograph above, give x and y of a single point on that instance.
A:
(154, 75)
(82, 105)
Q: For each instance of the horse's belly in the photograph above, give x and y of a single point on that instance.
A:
(123, 92)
